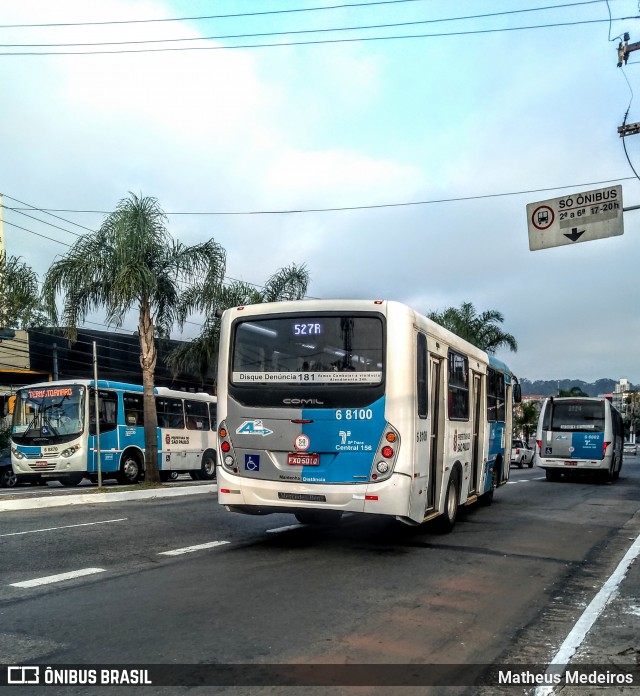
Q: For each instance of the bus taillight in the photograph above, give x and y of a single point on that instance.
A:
(604, 448)
(387, 452)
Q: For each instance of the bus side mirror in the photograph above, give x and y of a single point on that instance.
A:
(517, 393)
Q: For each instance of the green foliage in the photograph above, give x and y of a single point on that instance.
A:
(526, 419)
(201, 354)
(5, 435)
(574, 391)
(132, 264)
(481, 330)
(20, 305)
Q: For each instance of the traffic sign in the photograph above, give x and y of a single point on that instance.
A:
(577, 217)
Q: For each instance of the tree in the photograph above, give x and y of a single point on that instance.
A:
(526, 418)
(479, 329)
(20, 305)
(574, 391)
(130, 263)
(289, 283)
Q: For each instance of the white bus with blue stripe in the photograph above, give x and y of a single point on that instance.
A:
(580, 435)
(53, 433)
(330, 406)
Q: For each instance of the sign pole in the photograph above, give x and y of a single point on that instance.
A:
(97, 411)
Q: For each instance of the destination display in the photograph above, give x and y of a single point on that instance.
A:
(346, 377)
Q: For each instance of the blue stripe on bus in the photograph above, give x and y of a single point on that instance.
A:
(347, 445)
(587, 445)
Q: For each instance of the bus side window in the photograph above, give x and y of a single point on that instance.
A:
(458, 386)
(170, 414)
(133, 409)
(421, 369)
(197, 415)
(108, 405)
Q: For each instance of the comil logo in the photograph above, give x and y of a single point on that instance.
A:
(23, 675)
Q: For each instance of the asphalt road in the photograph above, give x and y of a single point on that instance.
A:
(506, 586)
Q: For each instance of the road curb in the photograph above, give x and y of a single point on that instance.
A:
(97, 498)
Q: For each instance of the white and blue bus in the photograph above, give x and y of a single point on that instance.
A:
(53, 432)
(580, 435)
(362, 406)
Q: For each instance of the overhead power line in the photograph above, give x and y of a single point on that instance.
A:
(202, 17)
(372, 206)
(315, 42)
(354, 5)
(294, 32)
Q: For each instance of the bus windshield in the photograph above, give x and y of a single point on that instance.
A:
(54, 414)
(320, 349)
(578, 415)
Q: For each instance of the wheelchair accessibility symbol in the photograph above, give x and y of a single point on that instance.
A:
(252, 462)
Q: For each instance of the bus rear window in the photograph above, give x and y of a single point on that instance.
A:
(334, 349)
(576, 416)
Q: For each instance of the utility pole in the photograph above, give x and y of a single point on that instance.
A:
(1, 231)
(625, 48)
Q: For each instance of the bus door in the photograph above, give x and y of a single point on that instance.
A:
(475, 433)
(435, 436)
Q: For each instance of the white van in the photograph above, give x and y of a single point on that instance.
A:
(579, 435)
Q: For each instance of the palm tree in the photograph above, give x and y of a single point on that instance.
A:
(132, 263)
(20, 305)
(479, 329)
(289, 283)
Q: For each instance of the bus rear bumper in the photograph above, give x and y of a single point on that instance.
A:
(259, 497)
(574, 464)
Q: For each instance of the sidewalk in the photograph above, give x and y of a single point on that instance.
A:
(90, 496)
(613, 644)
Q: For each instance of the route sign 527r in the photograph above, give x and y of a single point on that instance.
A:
(577, 217)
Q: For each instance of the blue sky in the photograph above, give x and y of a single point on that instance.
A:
(350, 124)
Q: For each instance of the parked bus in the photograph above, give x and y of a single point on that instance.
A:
(579, 435)
(53, 432)
(330, 406)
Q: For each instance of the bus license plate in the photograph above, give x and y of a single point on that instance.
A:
(306, 459)
(42, 463)
(571, 463)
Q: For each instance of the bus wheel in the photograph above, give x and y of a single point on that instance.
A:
(552, 475)
(7, 478)
(326, 517)
(130, 468)
(71, 480)
(208, 468)
(444, 524)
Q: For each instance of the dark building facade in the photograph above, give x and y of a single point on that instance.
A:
(118, 355)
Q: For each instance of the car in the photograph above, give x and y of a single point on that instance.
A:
(7, 478)
(521, 453)
(630, 448)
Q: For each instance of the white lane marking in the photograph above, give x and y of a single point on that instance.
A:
(58, 578)
(69, 526)
(190, 549)
(584, 624)
(283, 529)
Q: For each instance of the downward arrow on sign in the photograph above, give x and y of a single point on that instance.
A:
(575, 235)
